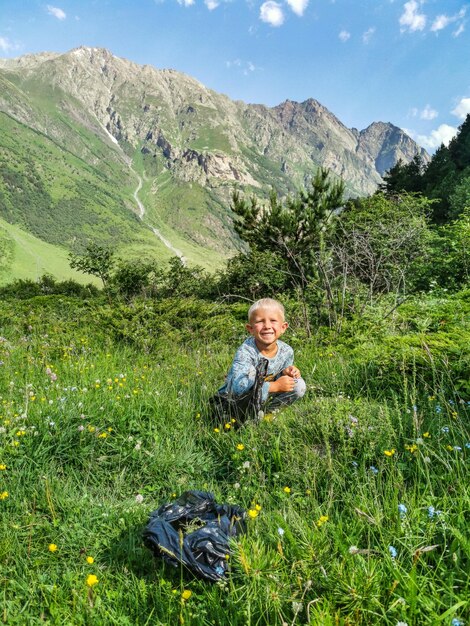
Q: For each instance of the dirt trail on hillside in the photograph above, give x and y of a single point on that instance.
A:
(141, 214)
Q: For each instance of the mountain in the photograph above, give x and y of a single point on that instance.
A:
(93, 146)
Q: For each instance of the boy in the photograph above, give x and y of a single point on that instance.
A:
(262, 375)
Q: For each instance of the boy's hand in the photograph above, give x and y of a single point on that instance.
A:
(282, 384)
(291, 371)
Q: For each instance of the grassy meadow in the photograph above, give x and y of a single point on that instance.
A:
(359, 493)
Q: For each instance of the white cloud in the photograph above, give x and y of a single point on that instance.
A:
(211, 4)
(271, 12)
(411, 20)
(7, 46)
(186, 3)
(56, 12)
(462, 109)
(428, 113)
(443, 134)
(366, 37)
(459, 30)
(245, 68)
(442, 21)
(344, 35)
(298, 6)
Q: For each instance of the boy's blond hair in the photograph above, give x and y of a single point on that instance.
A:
(266, 303)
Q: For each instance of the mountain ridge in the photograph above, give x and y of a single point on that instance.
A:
(191, 145)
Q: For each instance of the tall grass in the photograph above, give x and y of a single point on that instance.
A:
(363, 491)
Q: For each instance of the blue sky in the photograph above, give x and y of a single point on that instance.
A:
(405, 62)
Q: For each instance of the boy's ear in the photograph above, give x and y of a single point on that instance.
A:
(249, 327)
(285, 326)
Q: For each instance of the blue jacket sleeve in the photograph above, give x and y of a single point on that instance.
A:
(242, 374)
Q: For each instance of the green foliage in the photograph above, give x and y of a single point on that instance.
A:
(96, 260)
(183, 281)
(136, 278)
(253, 274)
(442, 179)
(47, 285)
(294, 228)
(383, 240)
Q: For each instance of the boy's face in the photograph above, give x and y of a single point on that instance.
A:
(266, 325)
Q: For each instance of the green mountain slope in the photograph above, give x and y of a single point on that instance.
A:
(94, 147)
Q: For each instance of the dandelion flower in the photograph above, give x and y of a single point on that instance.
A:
(4, 495)
(389, 452)
(91, 580)
(287, 489)
(240, 446)
(258, 507)
(186, 594)
(217, 430)
(90, 560)
(228, 426)
(253, 513)
(2, 467)
(52, 547)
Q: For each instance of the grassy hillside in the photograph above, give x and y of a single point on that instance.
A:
(23, 256)
(358, 494)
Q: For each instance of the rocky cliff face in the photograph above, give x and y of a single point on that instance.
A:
(189, 138)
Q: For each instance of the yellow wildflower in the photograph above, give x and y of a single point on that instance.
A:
(186, 594)
(217, 430)
(287, 489)
(4, 495)
(91, 580)
(21, 433)
(389, 452)
(52, 547)
(240, 446)
(91, 429)
(102, 435)
(412, 448)
(253, 513)
(90, 560)
(228, 426)
(322, 520)
(2, 466)
(258, 507)
(426, 435)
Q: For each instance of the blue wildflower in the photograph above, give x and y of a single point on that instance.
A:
(456, 622)
(402, 510)
(431, 512)
(354, 463)
(445, 429)
(393, 551)
(467, 445)
(438, 408)
(457, 448)
(373, 469)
